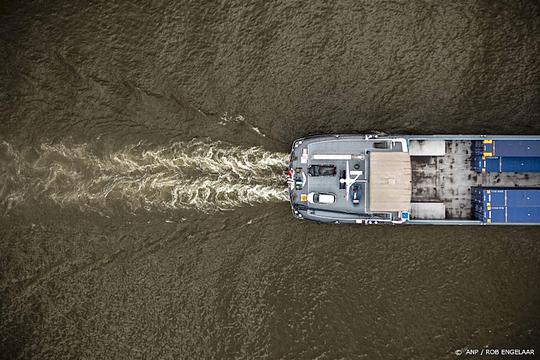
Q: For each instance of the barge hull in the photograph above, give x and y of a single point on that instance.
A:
(441, 173)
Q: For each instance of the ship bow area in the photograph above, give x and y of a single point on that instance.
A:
(350, 179)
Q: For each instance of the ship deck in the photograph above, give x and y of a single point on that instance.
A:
(449, 178)
(352, 158)
(429, 179)
(330, 184)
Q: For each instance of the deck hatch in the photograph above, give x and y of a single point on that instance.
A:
(389, 181)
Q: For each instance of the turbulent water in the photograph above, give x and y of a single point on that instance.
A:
(142, 153)
(205, 176)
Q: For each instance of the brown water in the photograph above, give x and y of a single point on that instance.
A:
(141, 193)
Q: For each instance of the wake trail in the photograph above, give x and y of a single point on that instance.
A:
(198, 174)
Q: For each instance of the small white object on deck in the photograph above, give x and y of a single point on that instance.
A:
(332, 157)
(304, 158)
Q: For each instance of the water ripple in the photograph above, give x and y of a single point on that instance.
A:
(200, 174)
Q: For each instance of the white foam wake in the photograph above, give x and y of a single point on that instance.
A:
(201, 175)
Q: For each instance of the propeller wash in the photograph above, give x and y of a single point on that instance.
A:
(200, 175)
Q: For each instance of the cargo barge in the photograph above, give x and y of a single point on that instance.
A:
(416, 179)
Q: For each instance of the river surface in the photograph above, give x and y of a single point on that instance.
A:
(143, 148)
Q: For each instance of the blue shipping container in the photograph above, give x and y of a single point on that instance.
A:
(507, 164)
(523, 197)
(496, 197)
(500, 205)
(520, 164)
(513, 148)
(509, 196)
(523, 214)
(495, 215)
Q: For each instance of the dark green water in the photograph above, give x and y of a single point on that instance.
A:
(114, 244)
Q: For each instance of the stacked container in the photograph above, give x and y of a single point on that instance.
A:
(506, 155)
(499, 205)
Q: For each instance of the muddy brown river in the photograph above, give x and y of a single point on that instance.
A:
(142, 153)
